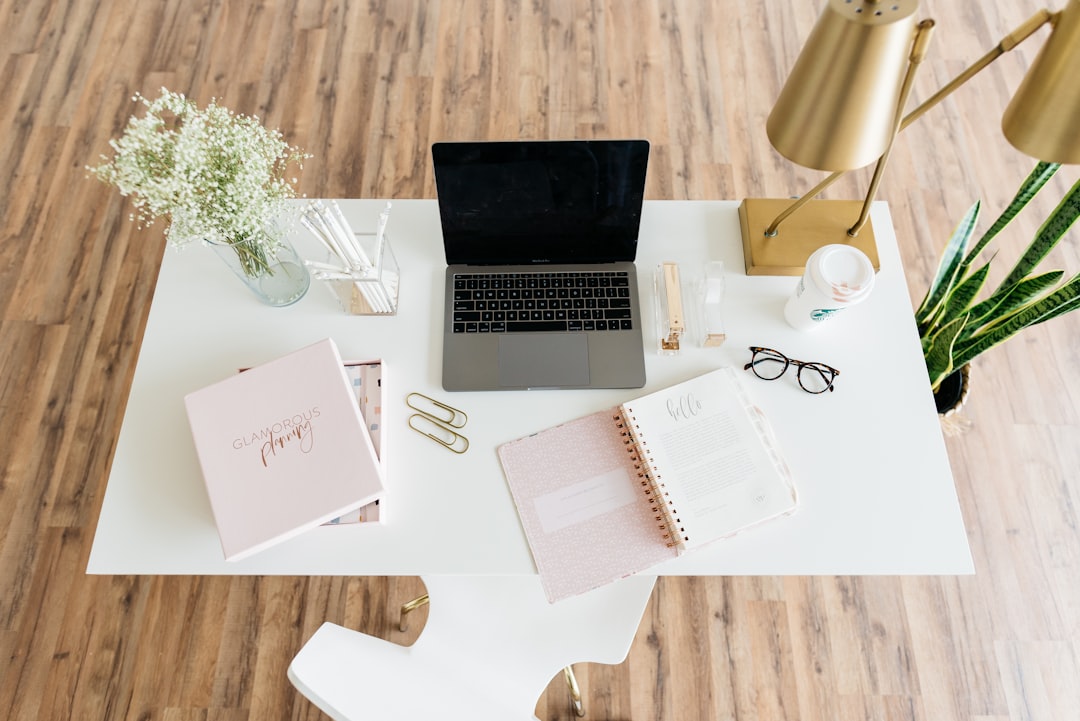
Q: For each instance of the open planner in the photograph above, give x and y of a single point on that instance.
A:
(616, 492)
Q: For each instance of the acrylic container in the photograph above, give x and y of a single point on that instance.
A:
(374, 291)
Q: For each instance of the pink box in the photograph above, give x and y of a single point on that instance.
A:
(283, 448)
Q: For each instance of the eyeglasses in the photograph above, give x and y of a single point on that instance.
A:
(768, 365)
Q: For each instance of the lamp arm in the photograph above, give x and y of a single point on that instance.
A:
(923, 32)
(1010, 41)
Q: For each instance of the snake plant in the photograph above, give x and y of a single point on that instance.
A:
(955, 325)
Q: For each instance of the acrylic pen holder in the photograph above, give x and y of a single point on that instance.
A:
(375, 290)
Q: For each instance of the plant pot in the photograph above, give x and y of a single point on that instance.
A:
(278, 279)
(950, 398)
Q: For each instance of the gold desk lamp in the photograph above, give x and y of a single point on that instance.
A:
(842, 107)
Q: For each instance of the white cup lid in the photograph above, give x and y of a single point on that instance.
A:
(842, 271)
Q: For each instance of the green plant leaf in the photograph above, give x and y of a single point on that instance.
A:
(1061, 310)
(963, 295)
(939, 351)
(1038, 177)
(1064, 307)
(1043, 309)
(948, 267)
(1008, 300)
(1051, 231)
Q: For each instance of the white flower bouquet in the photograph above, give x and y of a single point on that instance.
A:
(218, 176)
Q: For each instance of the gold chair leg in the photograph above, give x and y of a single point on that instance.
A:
(409, 607)
(575, 692)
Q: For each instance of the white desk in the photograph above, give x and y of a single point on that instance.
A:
(877, 494)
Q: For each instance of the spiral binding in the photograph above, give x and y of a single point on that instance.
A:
(665, 513)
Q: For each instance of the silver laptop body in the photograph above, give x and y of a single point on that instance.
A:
(540, 239)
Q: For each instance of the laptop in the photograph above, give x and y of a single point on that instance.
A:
(540, 240)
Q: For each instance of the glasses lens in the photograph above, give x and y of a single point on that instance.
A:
(815, 378)
(768, 364)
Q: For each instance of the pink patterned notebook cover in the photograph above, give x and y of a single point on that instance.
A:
(585, 514)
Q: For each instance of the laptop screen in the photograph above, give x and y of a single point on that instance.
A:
(524, 202)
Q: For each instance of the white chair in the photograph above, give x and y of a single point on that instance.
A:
(489, 649)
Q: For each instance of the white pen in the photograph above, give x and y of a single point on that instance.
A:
(380, 234)
(327, 267)
(349, 237)
(318, 226)
(340, 237)
(331, 275)
(319, 233)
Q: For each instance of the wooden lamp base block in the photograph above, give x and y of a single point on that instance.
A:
(818, 223)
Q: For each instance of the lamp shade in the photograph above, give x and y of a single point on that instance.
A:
(837, 109)
(1043, 118)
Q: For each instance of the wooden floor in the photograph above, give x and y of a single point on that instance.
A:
(366, 87)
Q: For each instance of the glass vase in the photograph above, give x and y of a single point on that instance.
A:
(277, 278)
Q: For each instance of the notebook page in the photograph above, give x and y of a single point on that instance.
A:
(714, 456)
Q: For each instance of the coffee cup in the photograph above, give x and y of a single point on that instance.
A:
(836, 277)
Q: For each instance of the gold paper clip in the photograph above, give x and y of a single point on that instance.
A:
(451, 414)
(444, 436)
(438, 421)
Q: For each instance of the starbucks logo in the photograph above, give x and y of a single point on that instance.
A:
(821, 314)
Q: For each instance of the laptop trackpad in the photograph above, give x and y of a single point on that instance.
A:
(544, 361)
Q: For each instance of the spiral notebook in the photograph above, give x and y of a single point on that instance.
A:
(619, 491)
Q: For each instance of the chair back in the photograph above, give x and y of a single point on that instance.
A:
(490, 647)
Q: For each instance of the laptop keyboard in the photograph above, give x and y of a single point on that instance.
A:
(532, 302)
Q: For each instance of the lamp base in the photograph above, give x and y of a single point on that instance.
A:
(818, 223)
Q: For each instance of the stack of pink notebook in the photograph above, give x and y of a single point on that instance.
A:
(366, 378)
(283, 448)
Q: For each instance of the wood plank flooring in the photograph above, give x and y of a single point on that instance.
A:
(366, 87)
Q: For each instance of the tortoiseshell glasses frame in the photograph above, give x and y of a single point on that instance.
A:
(768, 365)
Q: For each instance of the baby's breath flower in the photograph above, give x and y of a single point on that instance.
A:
(216, 175)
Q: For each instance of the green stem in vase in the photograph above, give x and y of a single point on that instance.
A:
(252, 255)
